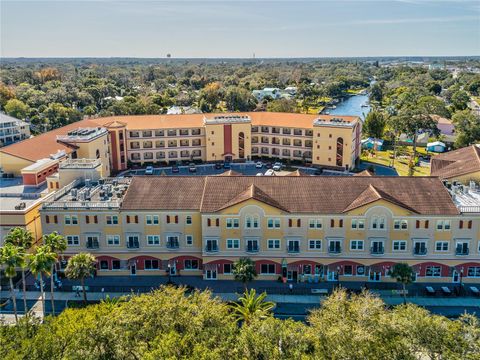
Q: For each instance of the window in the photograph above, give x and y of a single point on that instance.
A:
(377, 247)
(356, 245)
(151, 265)
(132, 219)
(191, 264)
(233, 223)
(252, 245)
(441, 245)
(273, 244)
(189, 239)
(473, 271)
(188, 220)
(233, 243)
(71, 220)
(251, 222)
(227, 268)
(378, 223)
(461, 248)
(348, 270)
(153, 240)
(133, 242)
(433, 271)
(112, 219)
(103, 265)
(334, 246)
(315, 244)
(293, 246)
(400, 224)
(113, 239)
(115, 264)
(172, 219)
(358, 224)
(399, 245)
(273, 223)
(211, 221)
(298, 222)
(443, 225)
(267, 269)
(212, 245)
(420, 248)
(152, 219)
(315, 224)
(172, 242)
(73, 240)
(92, 242)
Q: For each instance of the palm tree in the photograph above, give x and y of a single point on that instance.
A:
(244, 271)
(40, 263)
(403, 273)
(250, 306)
(57, 245)
(79, 267)
(23, 239)
(12, 257)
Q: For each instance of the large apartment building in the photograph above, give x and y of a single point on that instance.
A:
(330, 141)
(12, 130)
(311, 228)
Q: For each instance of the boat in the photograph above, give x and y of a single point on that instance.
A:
(365, 105)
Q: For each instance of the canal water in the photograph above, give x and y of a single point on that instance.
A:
(351, 106)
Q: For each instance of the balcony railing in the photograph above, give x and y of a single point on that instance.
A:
(293, 249)
(420, 252)
(172, 245)
(462, 252)
(93, 245)
(133, 245)
(377, 250)
(335, 250)
(252, 249)
(211, 248)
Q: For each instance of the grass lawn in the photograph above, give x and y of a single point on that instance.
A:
(401, 163)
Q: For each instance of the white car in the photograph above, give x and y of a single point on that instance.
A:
(277, 166)
(149, 170)
(258, 164)
(270, 172)
(259, 174)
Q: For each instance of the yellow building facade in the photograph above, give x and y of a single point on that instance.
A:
(294, 228)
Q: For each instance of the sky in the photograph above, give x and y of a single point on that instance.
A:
(239, 29)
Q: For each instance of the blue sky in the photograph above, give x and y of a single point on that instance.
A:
(239, 28)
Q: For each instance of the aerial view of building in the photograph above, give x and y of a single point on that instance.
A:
(12, 130)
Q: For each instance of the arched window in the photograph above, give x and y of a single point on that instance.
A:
(339, 151)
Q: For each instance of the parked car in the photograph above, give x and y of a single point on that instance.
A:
(227, 165)
(258, 164)
(268, 165)
(149, 170)
(270, 172)
(259, 174)
(277, 166)
(192, 168)
(175, 169)
(218, 166)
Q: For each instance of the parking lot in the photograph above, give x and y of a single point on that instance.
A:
(248, 168)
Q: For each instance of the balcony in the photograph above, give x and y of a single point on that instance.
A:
(172, 245)
(211, 248)
(461, 251)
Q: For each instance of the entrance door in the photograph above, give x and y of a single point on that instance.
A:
(211, 274)
(292, 275)
(375, 276)
(133, 269)
(455, 277)
(332, 276)
(228, 158)
(173, 270)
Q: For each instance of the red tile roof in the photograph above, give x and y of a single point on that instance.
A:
(295, 194)
(456, 163)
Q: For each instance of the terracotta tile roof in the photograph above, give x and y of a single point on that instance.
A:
(252, 192)
(364, 173)
(230, 173)
(456, 163)
(42, 146)
(295, 194)
(164, 193)
(297, 173)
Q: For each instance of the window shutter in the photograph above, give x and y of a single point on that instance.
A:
(168, 219)
(136, 219)
(128, 219)
(332, 223)
(95, 219)
(469, 224)
(217, 222)
(209, 222)
(176, 219)
(289, 222)
(55, 219)
(299, 222)
(47, 219)
(417, 224)
(426, 224)
(340, 223)
(87, 219)
(460, 224)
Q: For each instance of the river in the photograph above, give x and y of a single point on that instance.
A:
(351, 106)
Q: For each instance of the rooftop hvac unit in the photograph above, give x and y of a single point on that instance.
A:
(88, 183)
(101, 181)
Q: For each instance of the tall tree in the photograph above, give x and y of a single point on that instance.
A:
(16, 108)
(40, 264)
(23, 239)
(79, 267)
(403, 273)
(467, 128)
(57, 245)
(12, 257)
(250, 306)
(374, 126)
(239, 99)
(244, 271)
